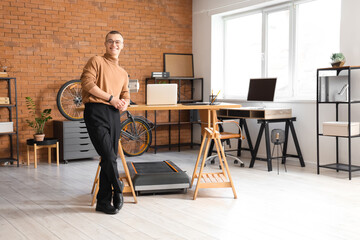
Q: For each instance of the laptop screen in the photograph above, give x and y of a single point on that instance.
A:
(261, 89)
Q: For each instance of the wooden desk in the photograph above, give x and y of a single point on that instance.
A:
(204, 180)
(264, 117)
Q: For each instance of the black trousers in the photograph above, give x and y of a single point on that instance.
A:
(103, 125)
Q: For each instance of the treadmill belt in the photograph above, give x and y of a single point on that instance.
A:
(152, 167)
(156, 177)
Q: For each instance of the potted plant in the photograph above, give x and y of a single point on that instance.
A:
(38, 122)
(337, 59)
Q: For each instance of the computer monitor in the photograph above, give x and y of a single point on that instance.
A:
(261, 89)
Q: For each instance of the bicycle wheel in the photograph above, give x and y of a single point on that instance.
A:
(135, 136)
(69, 100)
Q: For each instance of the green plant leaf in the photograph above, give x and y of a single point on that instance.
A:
(39, 121)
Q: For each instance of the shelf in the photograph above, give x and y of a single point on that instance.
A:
(352, 101)
(8, 133)
(7, 105)
(354, 136)
(174, 123)
(12, 96)
(341, 167)
(328, 88)
(175, 78)
(8, 160)
(174, 145)
(190, 90)
(339, 68)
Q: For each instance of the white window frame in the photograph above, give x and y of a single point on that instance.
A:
(293, 12)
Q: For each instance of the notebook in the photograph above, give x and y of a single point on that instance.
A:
(161, 94)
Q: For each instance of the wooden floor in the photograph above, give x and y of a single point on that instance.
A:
(53, 202)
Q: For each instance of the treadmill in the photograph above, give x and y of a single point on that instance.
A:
(158, 177)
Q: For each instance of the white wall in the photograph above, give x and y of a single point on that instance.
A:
(304, 111)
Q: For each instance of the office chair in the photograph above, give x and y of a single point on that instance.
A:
(224, 136)
(278, 138)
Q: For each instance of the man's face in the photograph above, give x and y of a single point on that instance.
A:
(114, 43)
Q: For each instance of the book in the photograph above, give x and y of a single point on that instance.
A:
(4, 74)
(160, 74)
(4, 100)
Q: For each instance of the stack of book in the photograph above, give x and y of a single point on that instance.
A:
(4, 100)
(160, 74)
(4, 74)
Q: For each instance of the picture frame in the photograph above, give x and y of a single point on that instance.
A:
(179, 64)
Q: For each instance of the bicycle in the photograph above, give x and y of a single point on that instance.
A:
(136, 135)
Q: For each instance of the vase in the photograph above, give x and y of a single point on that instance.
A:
(39, 137)
(338, 64)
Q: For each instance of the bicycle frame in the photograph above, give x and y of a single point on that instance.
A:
(137, 136)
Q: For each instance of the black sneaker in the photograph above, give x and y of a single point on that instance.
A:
(106, 208)
(118, 200)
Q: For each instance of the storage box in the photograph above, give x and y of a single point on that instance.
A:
(4, 100)
(340, 128)
(6, 127)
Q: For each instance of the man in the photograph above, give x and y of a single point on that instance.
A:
(105, 92)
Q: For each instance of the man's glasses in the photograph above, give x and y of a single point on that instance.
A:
(111, 42)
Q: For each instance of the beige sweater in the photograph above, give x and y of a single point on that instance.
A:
(105, 72)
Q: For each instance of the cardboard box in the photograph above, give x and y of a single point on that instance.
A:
(340, 128)
(6, 127)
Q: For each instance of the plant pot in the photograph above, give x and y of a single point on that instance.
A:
(337, 64)
(39, 137)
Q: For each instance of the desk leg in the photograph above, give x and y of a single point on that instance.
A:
(302, 163)
(199, 177)
(283, 160)
(257, 144)
(35, 156)
(28, 154)
(222, 159)
(211, 148)
(198, 159)
(57, 153)
(239, 140)
(127, 173)
(49, 154)
(267, 142)
(248, 138)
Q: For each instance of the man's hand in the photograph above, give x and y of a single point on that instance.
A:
(124, 106)
(120, 104)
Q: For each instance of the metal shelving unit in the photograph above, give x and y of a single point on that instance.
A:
(12, 106)
(181, 99)
(347, 167)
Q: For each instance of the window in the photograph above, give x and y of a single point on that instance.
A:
(288, 41)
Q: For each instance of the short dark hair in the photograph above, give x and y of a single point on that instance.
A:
(113, 32)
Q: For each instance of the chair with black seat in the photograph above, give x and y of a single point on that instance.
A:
(224, 136)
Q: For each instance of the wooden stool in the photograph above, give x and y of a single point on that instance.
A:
(128, 186)
(48, 143)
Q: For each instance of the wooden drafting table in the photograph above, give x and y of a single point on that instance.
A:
(204, 180)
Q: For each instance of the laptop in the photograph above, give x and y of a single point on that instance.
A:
(162, 94)
(261, 89)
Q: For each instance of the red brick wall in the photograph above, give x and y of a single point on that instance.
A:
(46, 43)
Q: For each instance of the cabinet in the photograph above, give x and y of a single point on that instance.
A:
(334, 87)
(10, 93)
(189, 90)
(74, 140)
